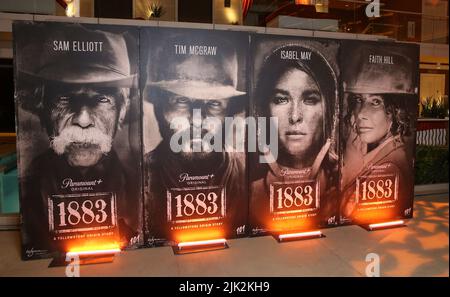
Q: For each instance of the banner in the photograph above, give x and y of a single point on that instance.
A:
(195, 179)
(379, 114)
(294, 180)
(78, 137)
(130, 137)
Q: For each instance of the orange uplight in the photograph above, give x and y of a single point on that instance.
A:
(290, 226)
(220, 241)
(300, 235)
(374, 215)
(198, 235)
(94, 249)
(386, 224)
(94, 252)
(303, 2)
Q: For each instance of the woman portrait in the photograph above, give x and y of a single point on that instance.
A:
(300, 95)
(378, 125)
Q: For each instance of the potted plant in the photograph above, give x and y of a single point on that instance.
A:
(434, 108)
(154, 10)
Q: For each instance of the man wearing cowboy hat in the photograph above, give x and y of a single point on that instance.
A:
(81, 95)
(191, 87)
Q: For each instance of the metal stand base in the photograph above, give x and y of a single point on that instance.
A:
(370, 229)
(283, 240)
(84, 260)
(198, 249)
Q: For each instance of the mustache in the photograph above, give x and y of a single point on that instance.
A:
(75, 134)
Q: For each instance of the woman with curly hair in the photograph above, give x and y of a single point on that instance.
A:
(377, 157)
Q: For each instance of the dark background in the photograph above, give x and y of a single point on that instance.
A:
(7, 113)
(118, 9)
(201, 12)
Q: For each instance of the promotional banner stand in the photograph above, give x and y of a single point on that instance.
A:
(384, 225)
(309, 133)
(286, 237)
(84, 258)
(189, 247)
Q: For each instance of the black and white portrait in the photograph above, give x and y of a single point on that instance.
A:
(78, 136)
(295, 83)
(195, 187)
(380, 87)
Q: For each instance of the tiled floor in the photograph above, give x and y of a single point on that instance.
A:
(421, 249)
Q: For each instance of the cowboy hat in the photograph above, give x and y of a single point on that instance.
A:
(75, 54)
(207, 69)
(378, 70)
